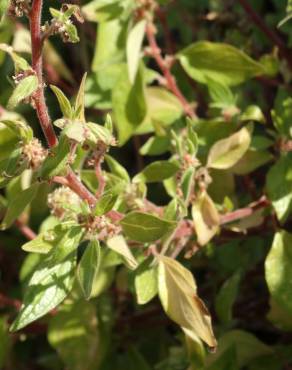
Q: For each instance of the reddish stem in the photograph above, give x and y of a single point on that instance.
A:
(25, 230)
(170, 80)
(37, 65)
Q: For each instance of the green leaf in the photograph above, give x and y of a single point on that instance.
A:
(226, 297)
(20, 63)
(119, 245)
(278, 270)
(145, 228)
(51, 281)
(246, 345)
(116, 168)
(73, 333)
(187, 183)
(227, 152)
(163, 108)
(105, 203)
(21, 129)
(155, 145)
(18, 204)
(134, 44)
(146, 282)
(178, 294)
(220, 62)
(253, 113)
(157, 171)
(129, 104)
(41, 244)
(57, 161)
(63, 102)
(88, 267)
(205, 217)
(23, 90)
(3, 7)
(279, 185)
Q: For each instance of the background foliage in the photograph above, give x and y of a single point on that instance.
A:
(186, 240)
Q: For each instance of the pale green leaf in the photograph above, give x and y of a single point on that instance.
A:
(146, 282)
(220, 62)
(134, 44)
(278, 270)
(227, 152)
(178, 294)
(205, 217)
(119, 245)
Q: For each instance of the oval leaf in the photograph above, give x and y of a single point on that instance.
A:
(145, 228)
(226, 152)
(178, 294)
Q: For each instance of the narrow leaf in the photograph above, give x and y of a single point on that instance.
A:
(63, 102)
(88, 268)
(134, 44)
(23, 90)
(119, 245)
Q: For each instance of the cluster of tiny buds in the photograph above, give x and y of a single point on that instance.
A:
(19, 8)
(190, 161)
(98, 226)
(203, 178)
(62, 202)
(34, 153)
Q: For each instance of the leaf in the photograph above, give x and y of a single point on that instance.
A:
(227, 152)
(220, 62)
(39, 245)
(20, 128)
(23, 90)
(20, 63)
(88, 267)
(119, 245)
(63, 102)
(246, 345)
(18, 204)
(226, 297)
(134, 44)
(116, 168)
(251, 160)
(74, 335)
(129, 104)
(145, 228)
(178, 294)
(3, 7)
(105, 203)
(163, 108)
(279, 185)
(79, 102)
(278, 270)
(187, 183)
(155, 145)
(57, 161)
(157, 171)
(51, 281)
(146, 282)
(205, 217)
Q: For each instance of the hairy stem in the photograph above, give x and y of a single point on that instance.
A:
(37, 65)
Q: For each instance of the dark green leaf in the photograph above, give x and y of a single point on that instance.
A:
(88, 267)
(144, 227)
